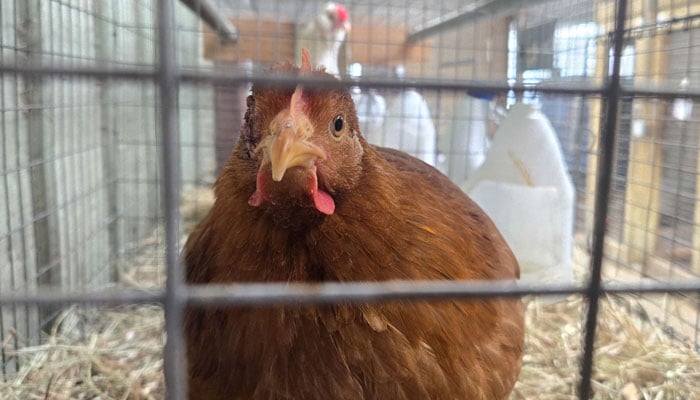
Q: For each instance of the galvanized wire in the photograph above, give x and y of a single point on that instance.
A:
(177, 296)
(605, 163)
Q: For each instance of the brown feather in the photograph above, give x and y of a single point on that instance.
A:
(395, 218)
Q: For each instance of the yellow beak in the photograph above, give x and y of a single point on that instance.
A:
(290, 149)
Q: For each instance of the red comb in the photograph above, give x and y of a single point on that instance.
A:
(342, 13)
(297, 104)
(305, 61)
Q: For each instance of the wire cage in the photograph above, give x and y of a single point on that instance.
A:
(117, 116)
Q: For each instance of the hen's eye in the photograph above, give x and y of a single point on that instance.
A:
(337, 126)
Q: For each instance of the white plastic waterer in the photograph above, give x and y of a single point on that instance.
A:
(525, 187)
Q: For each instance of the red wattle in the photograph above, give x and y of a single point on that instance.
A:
(322, 200)
(261, 190)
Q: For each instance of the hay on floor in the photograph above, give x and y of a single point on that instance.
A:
(118, 353)
(116, 356)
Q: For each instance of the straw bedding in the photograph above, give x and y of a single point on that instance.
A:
(115, 353)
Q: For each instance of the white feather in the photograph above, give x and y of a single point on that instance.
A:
(409, 127)
(323, 40)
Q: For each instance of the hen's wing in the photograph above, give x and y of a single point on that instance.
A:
(407, 163)
(410, 165)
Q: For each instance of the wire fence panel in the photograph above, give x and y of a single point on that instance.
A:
(80, 171)
(117, 117)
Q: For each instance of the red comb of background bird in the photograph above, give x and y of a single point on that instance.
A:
(342, 13)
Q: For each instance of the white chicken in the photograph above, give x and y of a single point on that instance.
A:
(323, 36)
(408, 125)
(371, 110)
(370, 106)
(465, 143)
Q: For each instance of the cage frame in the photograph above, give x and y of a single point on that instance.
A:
(177, 295)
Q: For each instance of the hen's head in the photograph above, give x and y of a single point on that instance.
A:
(307, 144)
(336, 17)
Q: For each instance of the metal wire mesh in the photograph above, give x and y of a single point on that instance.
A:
(110, 109)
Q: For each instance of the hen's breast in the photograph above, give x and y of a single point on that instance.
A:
(403, 221)
(401, 351)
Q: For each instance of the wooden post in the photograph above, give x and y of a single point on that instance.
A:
(643, 195)
(601, 70)
(19, 324)
(696, 230)
(104, 47)
(643, 184)
(41, 148)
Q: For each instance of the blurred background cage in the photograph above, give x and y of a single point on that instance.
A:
(85, 199)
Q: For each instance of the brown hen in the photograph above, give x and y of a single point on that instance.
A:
(304, 198)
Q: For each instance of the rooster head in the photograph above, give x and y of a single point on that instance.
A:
(309, 146)
(338, 16)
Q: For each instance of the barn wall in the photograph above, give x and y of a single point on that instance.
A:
(79, 157)
(375, 41)
(658, 187)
